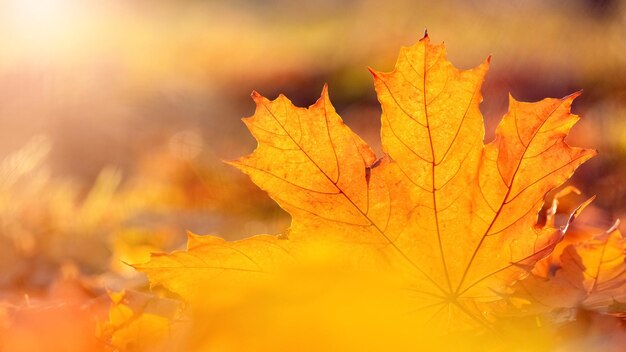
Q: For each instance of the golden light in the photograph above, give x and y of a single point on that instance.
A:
(40, 15)
(37, 26)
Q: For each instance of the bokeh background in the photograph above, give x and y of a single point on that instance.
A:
(115, 115)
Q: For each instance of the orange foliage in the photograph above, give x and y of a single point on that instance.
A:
(429, 240)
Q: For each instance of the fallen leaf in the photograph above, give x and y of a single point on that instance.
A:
(453, 220)
(587, 274)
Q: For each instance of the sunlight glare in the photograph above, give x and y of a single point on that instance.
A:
(39, 13)
(41, 28)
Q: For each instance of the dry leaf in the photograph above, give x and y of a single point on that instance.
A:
(440, 215)
(589, 273)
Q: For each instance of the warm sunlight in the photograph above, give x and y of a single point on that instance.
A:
(42, 25)
(40, 14)
(158, 192)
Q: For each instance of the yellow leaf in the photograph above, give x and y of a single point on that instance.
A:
(140, 323)
(452, 220)
(597, 267)
(589, 273)
(224, 264)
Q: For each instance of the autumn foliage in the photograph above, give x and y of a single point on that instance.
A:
(439, 237)
(443, 242)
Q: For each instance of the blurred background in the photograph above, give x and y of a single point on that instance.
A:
(115, 115)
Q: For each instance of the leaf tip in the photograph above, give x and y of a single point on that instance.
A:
(374, 73)
(324, 99)
(234, 163)
(614, 227)
(574, 214)
(325, 90)
(574, 95)
(255, 95)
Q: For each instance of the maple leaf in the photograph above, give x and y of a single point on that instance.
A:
(454, 217)
(587, 272)
(139, 322)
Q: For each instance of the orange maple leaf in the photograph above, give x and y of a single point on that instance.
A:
(587, 271)
(454, 217)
